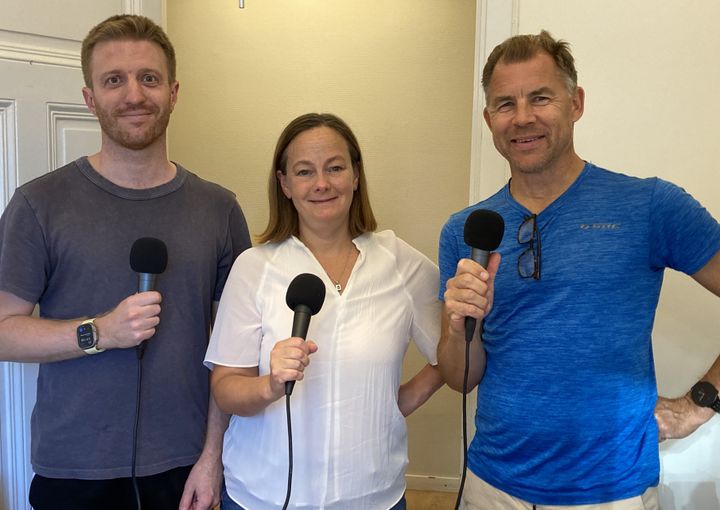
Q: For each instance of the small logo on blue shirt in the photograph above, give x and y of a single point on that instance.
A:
(600, 226)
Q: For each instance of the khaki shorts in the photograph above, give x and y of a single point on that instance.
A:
(479, 495)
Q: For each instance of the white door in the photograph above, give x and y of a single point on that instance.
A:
(43, 125)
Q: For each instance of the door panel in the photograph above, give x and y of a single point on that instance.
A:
(39, 102)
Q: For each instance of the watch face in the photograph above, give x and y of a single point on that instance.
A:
(86, 336)
(704, 394)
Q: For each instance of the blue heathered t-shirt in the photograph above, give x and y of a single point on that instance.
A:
(565, 408)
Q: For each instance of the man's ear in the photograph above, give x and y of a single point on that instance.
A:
(486, 116)
(174, 88)
(89, 98)
(578, 102)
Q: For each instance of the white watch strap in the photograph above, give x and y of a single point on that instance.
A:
(94, 349)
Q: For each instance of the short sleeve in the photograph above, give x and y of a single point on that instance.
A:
(24, 259)
(448, 256)
(422, 280)
(684, 236)
(237, 334)
(238, 240)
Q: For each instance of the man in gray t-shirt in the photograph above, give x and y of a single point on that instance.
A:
(65, 242)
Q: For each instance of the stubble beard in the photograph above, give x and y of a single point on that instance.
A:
(534, 168)
(136, 140)
(549, 159)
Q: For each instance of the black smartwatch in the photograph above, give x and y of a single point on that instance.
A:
(705, 394)
(87, 337)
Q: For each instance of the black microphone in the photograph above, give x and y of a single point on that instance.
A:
(305, 296)
(148, 258)
(483, 232)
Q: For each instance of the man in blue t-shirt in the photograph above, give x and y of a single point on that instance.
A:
(568, 412)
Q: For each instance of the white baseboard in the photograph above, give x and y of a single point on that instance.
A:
(432, 483)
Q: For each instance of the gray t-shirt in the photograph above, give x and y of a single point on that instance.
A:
(65, 241)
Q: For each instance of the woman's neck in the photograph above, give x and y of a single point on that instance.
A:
(335, 253)
(329, 243)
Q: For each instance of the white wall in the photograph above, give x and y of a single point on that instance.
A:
(651, 72)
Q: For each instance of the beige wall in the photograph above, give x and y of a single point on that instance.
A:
(400, 73)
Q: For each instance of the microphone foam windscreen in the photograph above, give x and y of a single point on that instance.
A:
(148, 255)
(306, 289)
(484, 229)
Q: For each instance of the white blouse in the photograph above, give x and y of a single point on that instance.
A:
(349, 437)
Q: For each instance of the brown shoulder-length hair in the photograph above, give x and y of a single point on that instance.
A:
(126, 26)
(283, 219)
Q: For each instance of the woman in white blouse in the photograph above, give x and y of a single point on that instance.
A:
(348, 407)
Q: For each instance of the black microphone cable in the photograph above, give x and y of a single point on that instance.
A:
(148, 258)
(136, 426)
(290, 452)
(305, 297)
(483, 232)
(469, 331)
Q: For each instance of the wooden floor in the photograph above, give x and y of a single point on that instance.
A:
(430, 500)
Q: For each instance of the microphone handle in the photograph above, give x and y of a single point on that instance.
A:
(481, 257)
(146, 282)
(470, 323)
(301, 323)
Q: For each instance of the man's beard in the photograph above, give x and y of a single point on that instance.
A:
(133, 139)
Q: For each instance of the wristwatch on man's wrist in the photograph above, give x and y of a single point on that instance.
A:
(704, 394)
(87, 337)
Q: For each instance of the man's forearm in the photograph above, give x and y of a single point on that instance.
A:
(217, 424)
(451, 361)
(28, 339)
